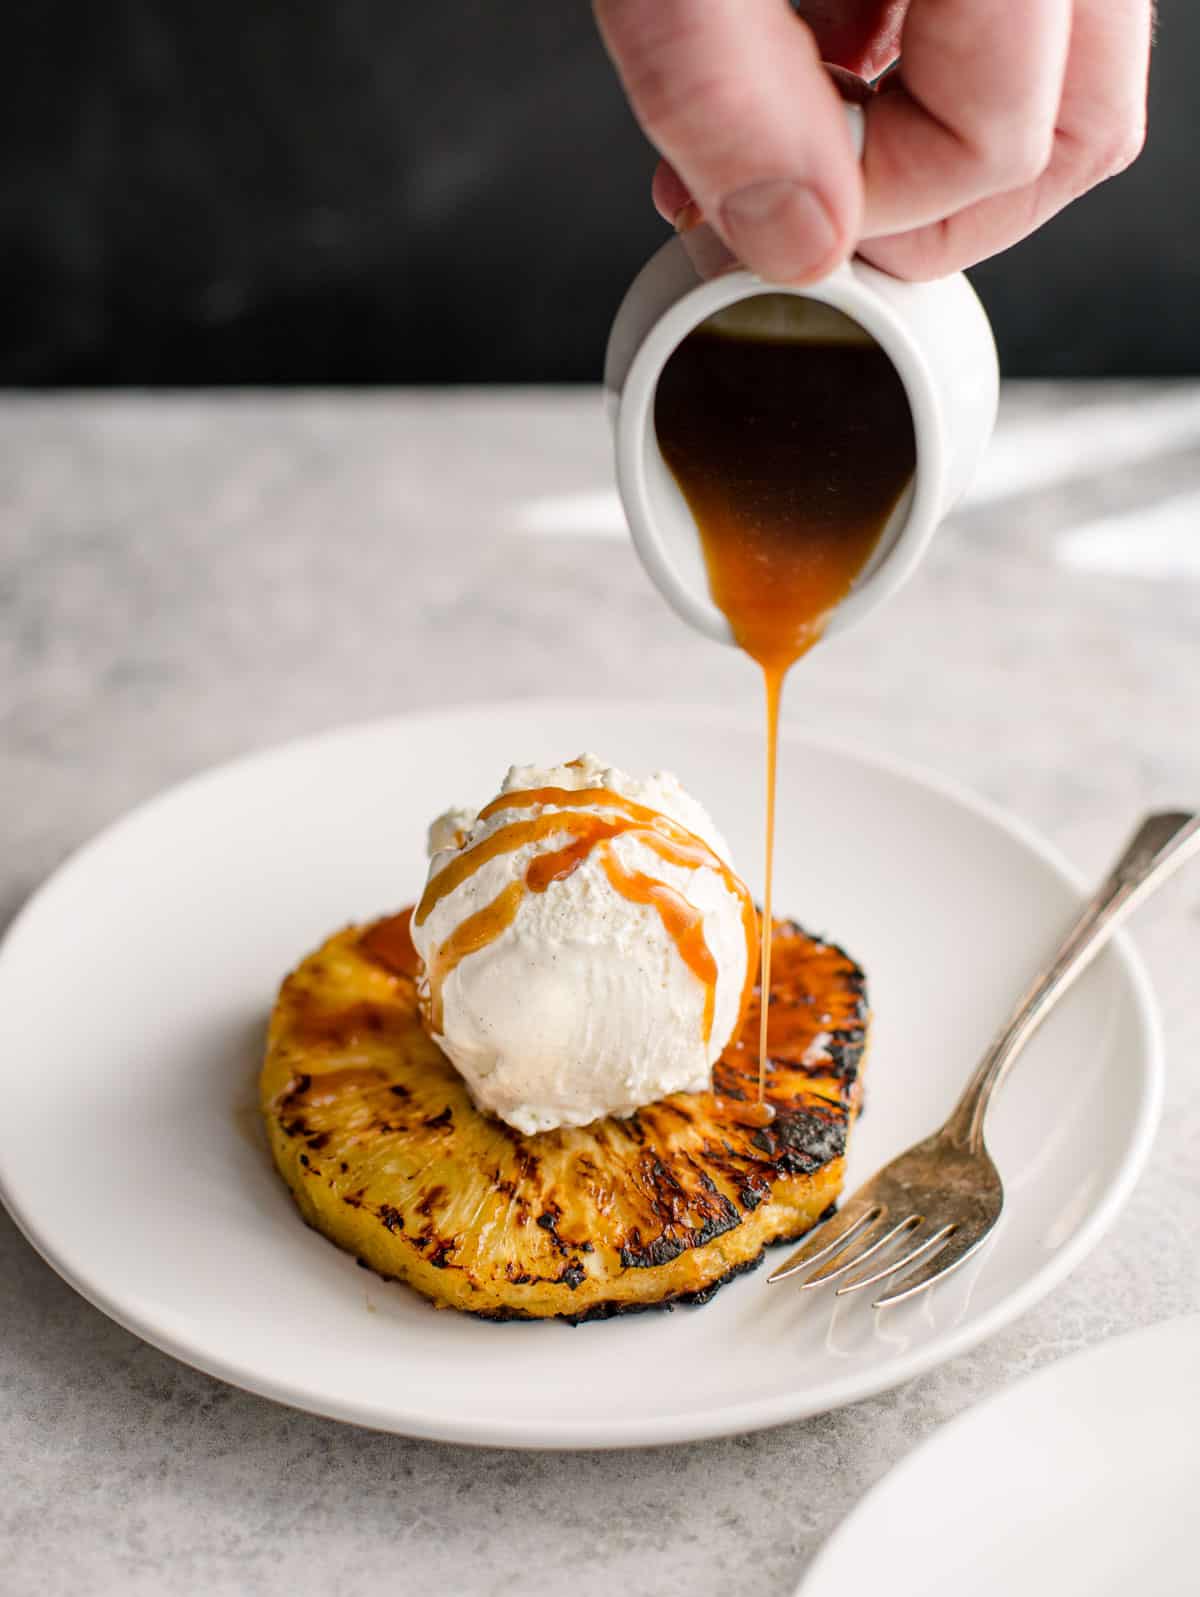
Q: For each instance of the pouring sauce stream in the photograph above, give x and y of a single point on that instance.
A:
(792, 450)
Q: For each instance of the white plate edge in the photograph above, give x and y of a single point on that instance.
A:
(732, 1419)
(945, 1434)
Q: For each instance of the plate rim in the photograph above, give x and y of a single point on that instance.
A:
(729, 1419)
(946, 1433)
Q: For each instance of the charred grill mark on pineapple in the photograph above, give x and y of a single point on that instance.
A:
(400, 1169)
(610, 1308)
(548, 1220)
(671, 1106)
(712, 1215)
(435, 1198)
(802, 1142)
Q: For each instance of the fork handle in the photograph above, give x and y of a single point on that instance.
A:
(1156, 850)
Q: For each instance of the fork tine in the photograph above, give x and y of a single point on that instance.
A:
(829, 1237)
(921, 1250)
(962, 1246)
(852, 1256)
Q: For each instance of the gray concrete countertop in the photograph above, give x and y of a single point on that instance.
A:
(182, 579)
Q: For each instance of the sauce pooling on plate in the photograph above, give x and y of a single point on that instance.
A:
(789, 433)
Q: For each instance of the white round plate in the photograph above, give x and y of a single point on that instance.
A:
(1080, 1480)
(134, 992)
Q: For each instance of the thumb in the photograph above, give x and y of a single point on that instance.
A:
(733, 94)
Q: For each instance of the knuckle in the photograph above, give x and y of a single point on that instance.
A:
(918, 257)
(1115, 152)
(1018, 156)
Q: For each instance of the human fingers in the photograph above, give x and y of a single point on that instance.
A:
(1100, 129)
(670, 193)
(733, 94)
(970, 111)
(860, 35)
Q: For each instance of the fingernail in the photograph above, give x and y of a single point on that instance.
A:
(708, 252)
(781, 227)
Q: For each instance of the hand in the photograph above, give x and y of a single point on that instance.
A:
(999, 113)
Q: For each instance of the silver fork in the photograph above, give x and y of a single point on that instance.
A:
(933, 1206)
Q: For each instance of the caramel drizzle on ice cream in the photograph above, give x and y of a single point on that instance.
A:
(587, 832)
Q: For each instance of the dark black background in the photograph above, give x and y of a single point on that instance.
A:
(361, 191)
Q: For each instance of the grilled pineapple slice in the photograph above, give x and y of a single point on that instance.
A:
(372, 1129)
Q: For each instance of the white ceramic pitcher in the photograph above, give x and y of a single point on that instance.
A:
(938, 338)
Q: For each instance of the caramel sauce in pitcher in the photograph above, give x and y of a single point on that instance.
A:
(789, 434)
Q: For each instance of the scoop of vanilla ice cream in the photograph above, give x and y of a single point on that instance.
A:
(584, 1005)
